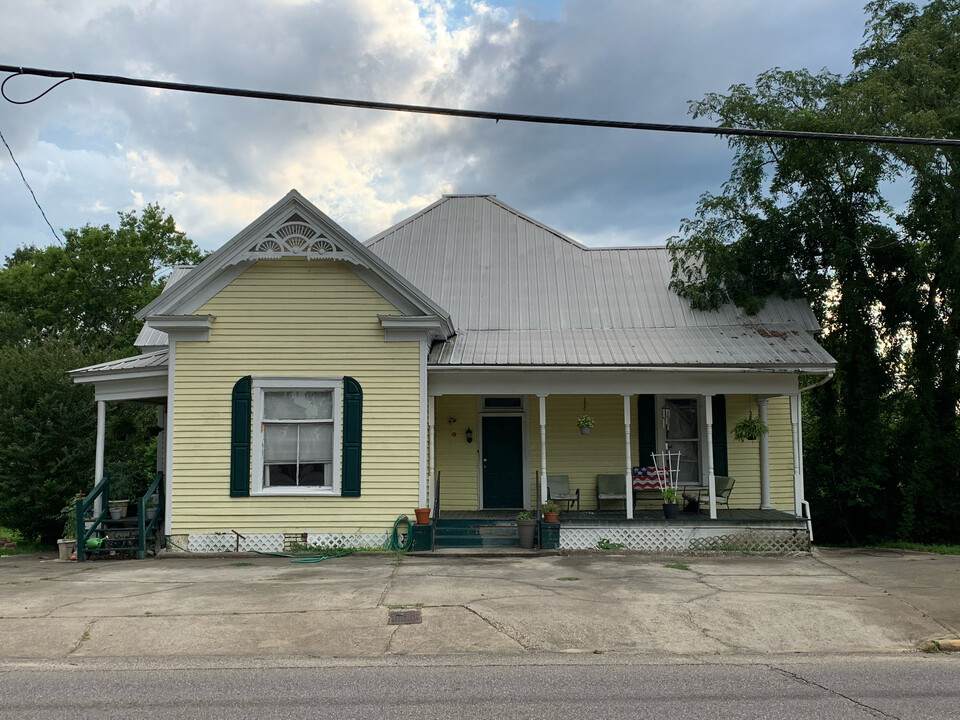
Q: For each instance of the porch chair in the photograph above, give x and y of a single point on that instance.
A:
(610, 487)
(558, 490)
(724, 485)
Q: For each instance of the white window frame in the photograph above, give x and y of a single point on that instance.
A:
(262, 384)
(701, 429)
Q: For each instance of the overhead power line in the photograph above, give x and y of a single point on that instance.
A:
(456, 112)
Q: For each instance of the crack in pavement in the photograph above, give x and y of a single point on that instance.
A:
(84, 636)
(906, 602)
(499, 628)
(876, 712)
(388, 585)
(112, 597)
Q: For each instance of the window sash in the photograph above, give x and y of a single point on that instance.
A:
(297, 436)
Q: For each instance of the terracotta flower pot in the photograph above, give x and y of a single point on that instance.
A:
(423, 516)
(551, 517)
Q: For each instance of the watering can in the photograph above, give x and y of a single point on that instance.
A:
(95, 543)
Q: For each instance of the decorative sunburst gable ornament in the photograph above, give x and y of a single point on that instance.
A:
(296, 236)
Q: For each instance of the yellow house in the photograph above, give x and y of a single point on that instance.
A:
(314, 388)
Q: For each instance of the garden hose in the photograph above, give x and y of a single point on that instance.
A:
(395, 538)
(305, 558)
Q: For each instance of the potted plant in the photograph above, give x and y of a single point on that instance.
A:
(526, 527)
(67, 545)
(585, 422)
(671, 508)
(423, 515)
(551, 512)
(749, 428)
(150, 508)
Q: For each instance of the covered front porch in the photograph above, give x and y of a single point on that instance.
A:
(497, 449)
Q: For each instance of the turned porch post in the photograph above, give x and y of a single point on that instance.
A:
(711, 471)
(543, 450)
(765, 503)
(98, 462)
(432, 457)
(629, 473)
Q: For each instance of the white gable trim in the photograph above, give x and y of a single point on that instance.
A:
(292, 227)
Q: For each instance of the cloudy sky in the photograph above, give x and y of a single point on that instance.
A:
(90, 150)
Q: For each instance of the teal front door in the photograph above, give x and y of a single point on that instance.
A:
(502, 459)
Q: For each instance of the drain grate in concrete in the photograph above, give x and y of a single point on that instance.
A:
(404, 617)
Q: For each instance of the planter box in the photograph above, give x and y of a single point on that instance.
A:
(66, 548)
(422, 538)
(549, 536)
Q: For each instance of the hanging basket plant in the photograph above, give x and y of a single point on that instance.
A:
(585, 422)
(749, 428)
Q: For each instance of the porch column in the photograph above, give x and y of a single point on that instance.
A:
(101, 441)
(765, 503)
(711, 473)
(432, 458)
(795, 438)
(629, 474)
(543, 449)
(161, 439)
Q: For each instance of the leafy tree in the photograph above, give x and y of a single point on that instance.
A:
(46, 443)
(63, 308)
(90, 289)
(811, 217)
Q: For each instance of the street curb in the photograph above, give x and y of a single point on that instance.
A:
(943, 645)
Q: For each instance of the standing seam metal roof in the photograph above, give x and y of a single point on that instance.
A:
(521, 293)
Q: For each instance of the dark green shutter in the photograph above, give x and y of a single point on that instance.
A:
(646, 428)
(240, 438)
(720, 435)
(352, 435)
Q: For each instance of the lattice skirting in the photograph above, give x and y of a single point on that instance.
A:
(278, 542)
(229, 542)
(335, 541)
(639, 537)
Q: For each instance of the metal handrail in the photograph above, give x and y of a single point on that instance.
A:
(143, 527)
(436, 498)
(102, 489)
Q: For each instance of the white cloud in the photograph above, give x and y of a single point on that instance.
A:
(215, 163)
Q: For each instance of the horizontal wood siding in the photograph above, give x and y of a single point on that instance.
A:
(455, 458)
(745, 457)
(582, 457)
(291, 318)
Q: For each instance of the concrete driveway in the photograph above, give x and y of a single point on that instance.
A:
(828, 602)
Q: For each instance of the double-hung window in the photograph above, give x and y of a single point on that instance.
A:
(296, 436)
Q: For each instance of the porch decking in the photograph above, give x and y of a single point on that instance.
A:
(640, 517)
(734, 529)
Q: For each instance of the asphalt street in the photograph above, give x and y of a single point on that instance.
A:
(902, 686)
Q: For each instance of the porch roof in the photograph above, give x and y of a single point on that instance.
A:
(754, 346)
(151, 361)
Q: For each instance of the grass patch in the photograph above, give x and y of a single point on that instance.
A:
(568, 579)
(241, 564)
(24, 545)
(677, 566)
(299, 548)
(921, 547)
(604, 544)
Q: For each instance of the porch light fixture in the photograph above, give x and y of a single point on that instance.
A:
(469, 435)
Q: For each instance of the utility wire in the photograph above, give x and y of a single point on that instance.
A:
(32, 193)
(455, 112)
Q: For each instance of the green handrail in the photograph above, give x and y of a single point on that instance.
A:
(144, 526)
(102, 489)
